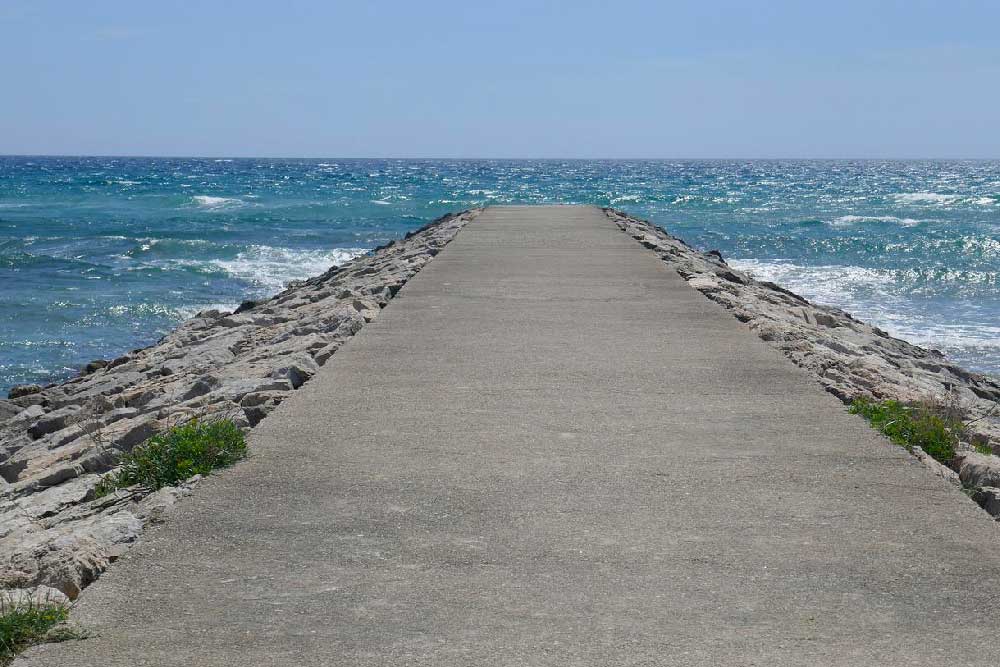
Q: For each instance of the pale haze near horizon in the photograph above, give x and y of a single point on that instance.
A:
(519, 79)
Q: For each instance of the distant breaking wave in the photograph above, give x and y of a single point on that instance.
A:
(937, 199)
(847, 220)
(101, 255)
(210, 202)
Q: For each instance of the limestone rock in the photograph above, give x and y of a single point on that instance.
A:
(56, 441)
(988, 497)
(32, 598)
(849, 358)
(977, 470)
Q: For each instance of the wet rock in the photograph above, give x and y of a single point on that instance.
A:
(94, 366)
(19, 390)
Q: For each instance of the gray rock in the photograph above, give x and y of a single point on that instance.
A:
(297, 371)
(240, 365)
(54, 421)
(849, 358)
(127, 433)
(938, 469)
(30, 413)
(8, 409)
(977, 470)
(988, 497)
(32, 598)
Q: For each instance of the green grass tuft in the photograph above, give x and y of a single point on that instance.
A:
(912, 426)
(25, 625)
(194, 448)
(982, 447)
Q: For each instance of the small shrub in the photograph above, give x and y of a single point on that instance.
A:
(913, 426)
(24, 625)
(982, 447)
(194, 448)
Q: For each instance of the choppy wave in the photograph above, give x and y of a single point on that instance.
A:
(848, 220)
(883, 297)
(271, 268)
(938, 199)
(110, 253)
(210, 202)
(189, 311)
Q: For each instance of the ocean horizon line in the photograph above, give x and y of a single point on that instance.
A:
(139, 156)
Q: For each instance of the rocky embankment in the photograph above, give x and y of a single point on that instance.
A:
(57, 441)
(849, 358)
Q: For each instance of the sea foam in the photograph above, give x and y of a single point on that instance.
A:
(848, 220)
(271, 268)
(210, 202)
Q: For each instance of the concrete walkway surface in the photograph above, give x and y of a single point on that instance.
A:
(550, 450)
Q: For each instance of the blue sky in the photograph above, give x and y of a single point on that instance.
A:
(513, 79)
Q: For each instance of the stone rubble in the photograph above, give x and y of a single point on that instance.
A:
(57, 441)
(849, 358)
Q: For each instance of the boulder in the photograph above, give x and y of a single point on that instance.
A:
(54, 421)
(53, 532)
(988, 497)
(977, 470)
(19, 390)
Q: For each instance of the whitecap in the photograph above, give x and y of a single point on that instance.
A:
(926, 198)
(271, 268)
(210, 202)
(848, 220)
(635, 199)
(190, 310)
(874, 296)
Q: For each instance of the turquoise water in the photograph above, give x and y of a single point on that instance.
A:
(101, 255)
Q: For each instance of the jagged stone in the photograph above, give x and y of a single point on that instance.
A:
(988, 497)
(54, 421)
(239, 365)
(977, 470)
(849, 358)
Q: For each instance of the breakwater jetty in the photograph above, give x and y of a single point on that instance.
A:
(546, 449)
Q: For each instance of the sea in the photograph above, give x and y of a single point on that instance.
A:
(100, 255)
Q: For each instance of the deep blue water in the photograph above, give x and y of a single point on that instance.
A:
(101, 255)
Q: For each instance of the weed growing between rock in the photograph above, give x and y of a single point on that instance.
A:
(936, 432)
(24, 624)
(195, 448)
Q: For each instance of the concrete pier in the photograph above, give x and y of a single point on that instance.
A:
(550, 450)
